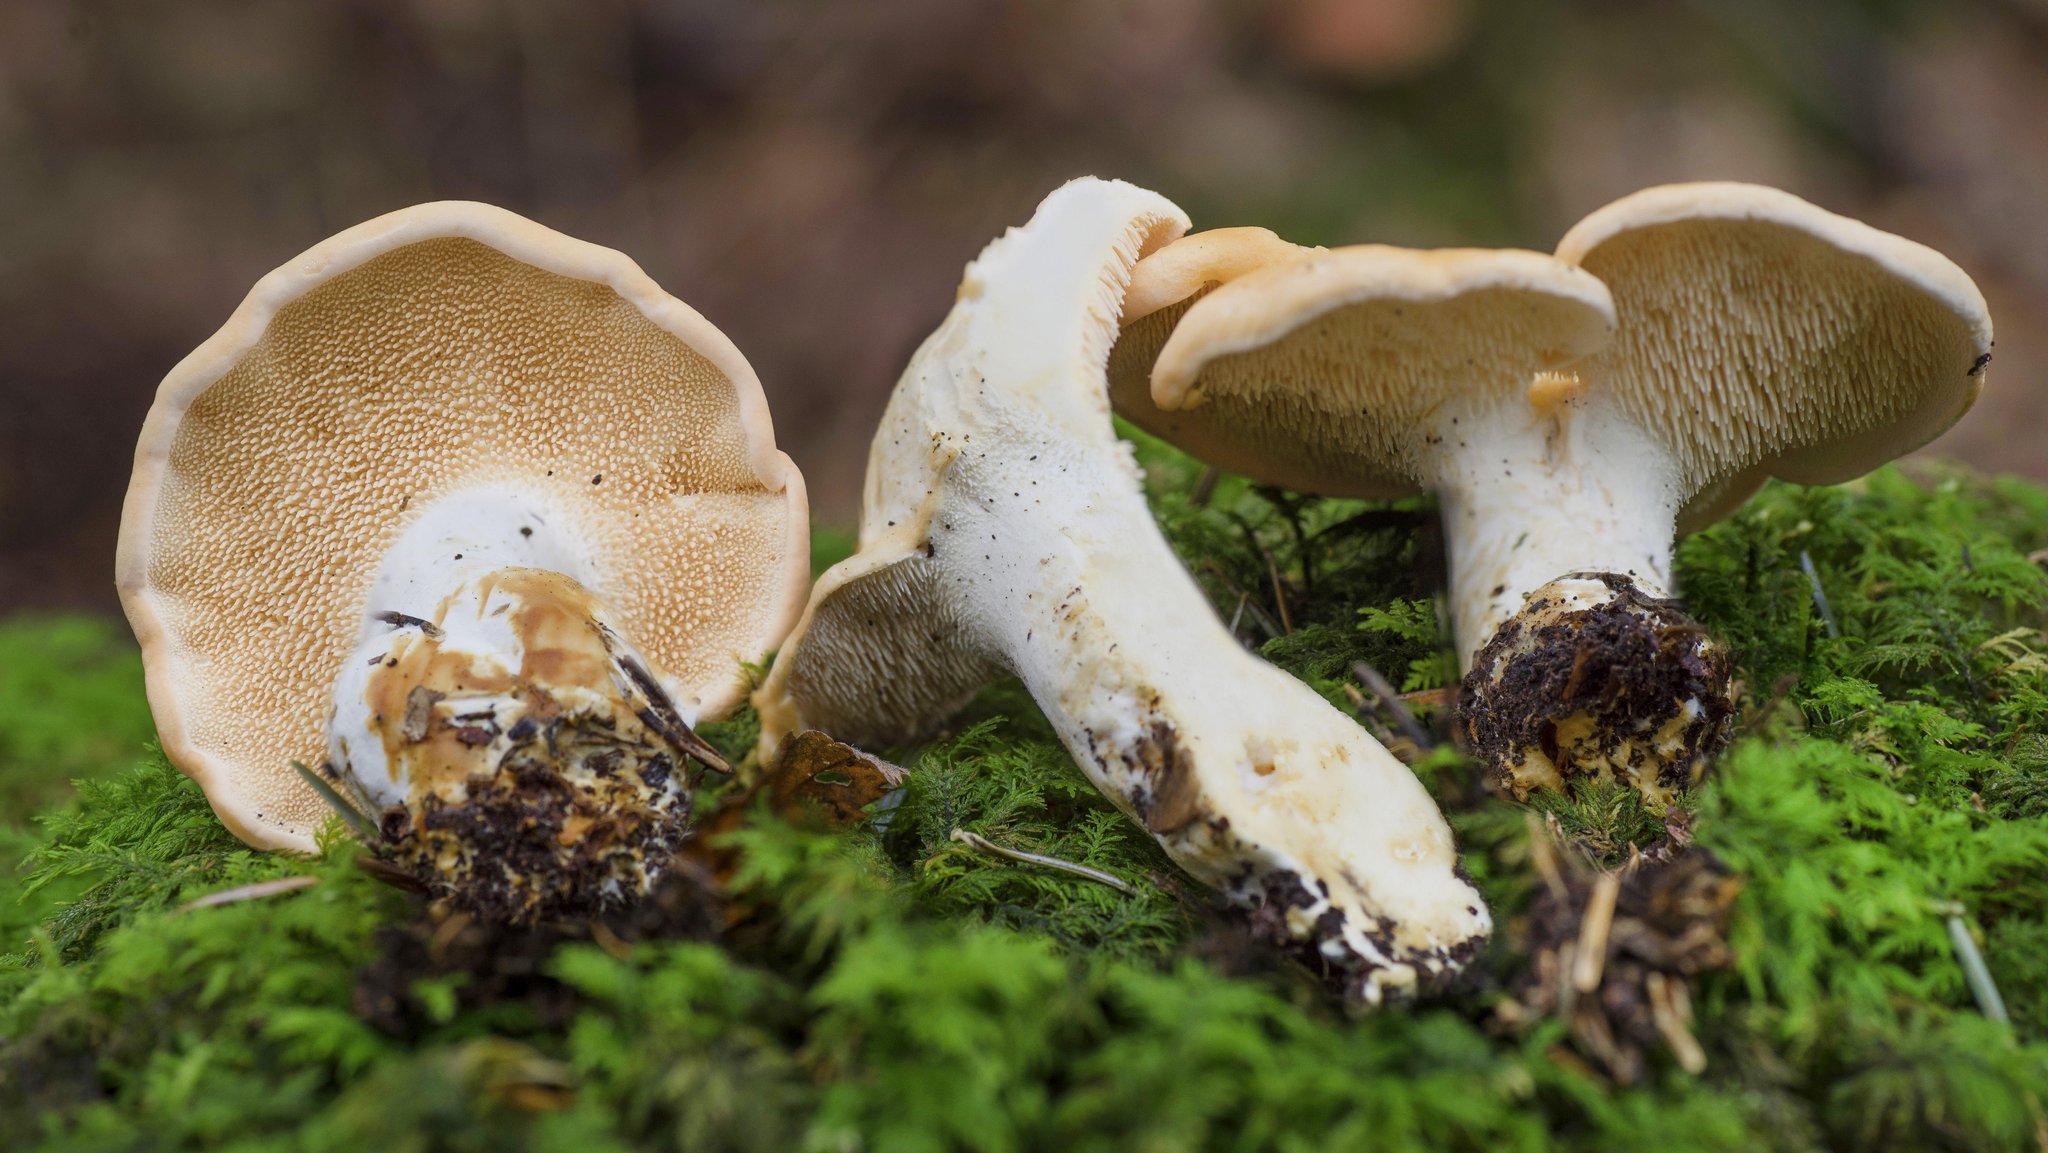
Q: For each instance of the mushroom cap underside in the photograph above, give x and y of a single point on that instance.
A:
(1760, 335)
(882, 653)
(1323, 373)
(443, 348)
(1755, 335)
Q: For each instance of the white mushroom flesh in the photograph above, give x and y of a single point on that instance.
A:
(514, 750)
(1528, 494)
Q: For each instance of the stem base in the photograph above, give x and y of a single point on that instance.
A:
(1595, 679)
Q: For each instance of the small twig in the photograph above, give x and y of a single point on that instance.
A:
(255, 892)
(391, 874)
(1820, 596)
(1251, 537)
(661, 713)
(1239, 614)
(1372, 520)
(616, 946)
(983, 844)
(1543, 855)
(1205, 487)
(1975, 972)
(1291, 507)
(1279, 596)
(1671, 1013)
(1591, 956)
(1445, 697)
(1955, 652)
(1391, 701)
(445, 933)
(1259, 614)
(1395, 743)
(365, 829)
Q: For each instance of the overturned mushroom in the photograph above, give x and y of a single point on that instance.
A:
(501, 508)
(1754, 335)
(1004, 530)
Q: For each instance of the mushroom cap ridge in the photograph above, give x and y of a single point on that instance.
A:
(1200, 261)
(239, 686)
(1324, 373)
(1761, 335)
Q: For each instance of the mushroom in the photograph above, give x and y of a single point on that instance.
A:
(477, 517)
(1753, 335)
(1004, 530)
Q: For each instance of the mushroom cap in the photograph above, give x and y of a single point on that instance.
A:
(437, 349)
(1763, 336)
(1320, 372)
(1194, 264)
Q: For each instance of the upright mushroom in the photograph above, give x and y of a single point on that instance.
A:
(1754, 335)
(476, 516)
(1005, 530)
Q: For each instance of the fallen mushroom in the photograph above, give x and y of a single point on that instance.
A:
(1004, 530)
(476, 515)
(1753, 335)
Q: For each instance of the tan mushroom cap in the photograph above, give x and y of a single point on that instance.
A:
(438, 348)
(1164, 285)
(1320, 372)
(1763, 336)
(1182, 271)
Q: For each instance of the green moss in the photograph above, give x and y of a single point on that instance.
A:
(1028, 796)
(894, 989)
(71, 705)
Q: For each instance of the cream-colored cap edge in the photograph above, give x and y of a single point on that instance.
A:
(1728, 200)
(1925, 268)
(1265, 305)
(525, 241)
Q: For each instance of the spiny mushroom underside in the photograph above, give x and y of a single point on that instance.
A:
(518, 757)
(880, 658)
(1757, 328)
(1597, 680)
(1281, 438)
(453, 357)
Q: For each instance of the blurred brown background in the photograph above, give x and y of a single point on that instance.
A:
(811, 176)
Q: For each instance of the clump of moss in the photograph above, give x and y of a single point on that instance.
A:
(890, 988)
(71, 705)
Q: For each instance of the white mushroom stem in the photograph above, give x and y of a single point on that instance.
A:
(1559, 517)
(1006, 529)
(492, 719)
(443, 571)
(1530, 494)
(1253, 782)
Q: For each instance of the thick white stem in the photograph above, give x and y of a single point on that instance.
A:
(517, 751)
(1250, 779)
(443, 571)
(1529, 496)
